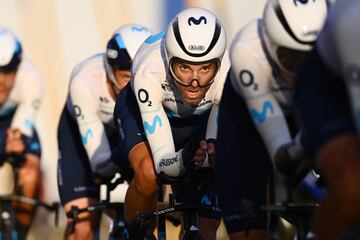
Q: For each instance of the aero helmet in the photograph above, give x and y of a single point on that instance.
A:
(122, 47)
(195, 35)
(293, 25)
(10, 51)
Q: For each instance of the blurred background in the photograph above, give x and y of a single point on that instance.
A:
(57, 34)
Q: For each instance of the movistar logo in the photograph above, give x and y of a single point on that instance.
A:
(138, 29)
(197, 21)
(29, 124)
(261, 116)
(88, 134)
(151, 128)
(302, 2)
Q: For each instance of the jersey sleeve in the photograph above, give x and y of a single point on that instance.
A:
(251, 79)
(212, 126)
(32, 93)
(92, 131)
(157, 128)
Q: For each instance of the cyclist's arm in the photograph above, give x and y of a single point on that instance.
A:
(149, 96)
(212, 126)
(251, 79)
(32, 92)
(93, 135)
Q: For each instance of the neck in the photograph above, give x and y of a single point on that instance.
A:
(287, 77)
(113, 89)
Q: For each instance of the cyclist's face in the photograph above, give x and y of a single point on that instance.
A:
(194, 80)
(290, 59)
(122, 78)
(6, 83)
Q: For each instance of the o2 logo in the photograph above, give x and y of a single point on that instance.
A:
(143, 97)
(197, 21)
(77, 111)
(302, 2)
(247, 79)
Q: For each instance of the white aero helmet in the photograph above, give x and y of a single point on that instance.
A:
(10, 51)
(292, 25)
(195, 35)
(122, 47)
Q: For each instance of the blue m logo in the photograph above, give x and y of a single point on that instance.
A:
(151, 128)
(261, 116)
(196, 21)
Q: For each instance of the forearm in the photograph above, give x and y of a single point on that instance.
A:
(270, 123)
(212, 125)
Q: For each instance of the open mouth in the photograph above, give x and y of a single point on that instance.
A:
(193, 93)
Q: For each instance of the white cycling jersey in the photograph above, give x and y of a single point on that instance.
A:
(257, 80)
(92, 105)
(158, 100)
(26, 96)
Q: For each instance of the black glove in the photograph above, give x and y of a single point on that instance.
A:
(285, 163)
(98, 179)
(290, 161)
(17, 160)
(188, 153)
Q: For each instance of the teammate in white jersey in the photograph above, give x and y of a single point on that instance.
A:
(329, 98)
(255, 112)
(87, 134)
(178, 79)
(21, 91)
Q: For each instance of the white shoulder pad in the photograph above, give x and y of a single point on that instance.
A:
(251, 71)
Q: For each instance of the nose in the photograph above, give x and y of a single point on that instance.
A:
(194, 83)
(195, 79)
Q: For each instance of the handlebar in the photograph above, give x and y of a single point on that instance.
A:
(75, 210)
(141, 218)
(54, 207)
(105, 204)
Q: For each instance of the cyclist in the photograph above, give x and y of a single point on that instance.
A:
(176, 87)
(255, 117)
(87, 135)
(18, 110)
(328, 97)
